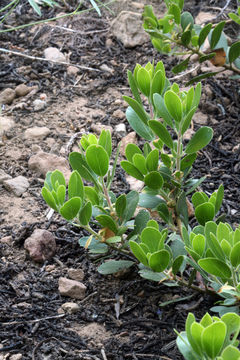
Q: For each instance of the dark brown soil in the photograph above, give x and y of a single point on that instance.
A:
(30, 322)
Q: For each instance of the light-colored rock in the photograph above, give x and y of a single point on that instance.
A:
(6, 240)
(7, 96)
(6, 123)
(72, 70)
(128, 139)
(72, 288)
(43, 162)
(97, 128)
(127, 27)
(204, 17)
(54, 54)
(200, 118)
(4, 176)
(40, 245)
(36, 132)
(120, 129)
(16, 357)
(76, 274)
(188, 134)
(36, 148)
(22, 90)
(119, 114)
(70, 307)
(134, 184)
(17, 185)
(106, 68)
(39, 105)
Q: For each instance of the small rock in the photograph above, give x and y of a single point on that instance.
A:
(70, 307)
(106, 68)
(50, 268)
(54, 54)
(39, 105)
(22, 90)
(137, 5)
(41, 245)
(71, 288)
(7, 96)
(17, 185)
(188, 134)
(36, 148)
(36, 132)
(121, 129)
(134, 184)
(204, 17)
(97, 128)
(6, 240)
(43, 162)
(129, 138)
(200, 118)
(4, 176)
(72, 70)
(76, 274)
(16, 357)
(119, 114)
(127, 27)
(6, 123)
(208, 91)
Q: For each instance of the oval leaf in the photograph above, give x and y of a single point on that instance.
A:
(153, 180)
(160, 130)
(213, 337)
(75, 185)
(71, 208)
(216, 267)
(174, 105)
(199, 140)
(98, 160)
(131, 170)
(234, 52)
(205, 212)
(138, 252)
(113, 266)
(159, 260)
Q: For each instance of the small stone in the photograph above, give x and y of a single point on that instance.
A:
(127, 27)
(40, 245)
(130, 138)
(17, 185)
(121, 129)
(119, 114)
(204, 17)
(16, 357)
(22, 90)
(76, 274)
(36, 132)
(54, 54)
(43, 162)
(50, 268)
(7, 96)
(4, 176)
(70, 307)
(188, 134)
(6, 123)
(109, 43)
(106, 68)
(134, 184)
(39, 105)
(200, 118)
(72, 70)
(6, 240)
(137, 5)
(97, 128)
(36, 148)
(71, 288)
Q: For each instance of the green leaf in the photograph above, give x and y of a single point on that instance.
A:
(105, 141)
(75, 186)
(48, 197)
(187, 161)
(159, 260)
(97, 159)
(184, 347)
(206, 320)
(143, 81)
(204, 212)
(187, 20)
(151, 237)
(164, 212)
(139, 126)
(158, 82)
(206, 57)
(153, 180)
(95, 7)
(151, 275)
(35, 7)
(160, 130)
(213, 338)
(138, 252)
(187, 120)
(185, 39)
(196, 331)
(216, 267)
(203, 34)
(114, 240)
(162, 110)
(182, 209)
(149, 201)
(235, 255)
(183, 64)
(177, 263)
(57, 178)
(71, 208)
(138, 108)
(234, 52)
(131, 150)
(152, 160)
(198, 244)
(114, 266)
(91, 195)
(230, 352)
(107, 221)
(232, 322)
(131, 170)
(199, 198)
(219, 198)
(199, 140)
(133, 86)
(166, 159)
(141, 221)
(174, 105)
(175, 11)
(216, 34)
(201, 77)
(140, 162)
(120, 205)
(79, 163)
(234, 17)
(85, 213)
(132, 201)
(61, 193)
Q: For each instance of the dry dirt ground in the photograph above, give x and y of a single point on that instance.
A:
(32, 325)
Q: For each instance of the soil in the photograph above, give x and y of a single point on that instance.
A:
(120, 318)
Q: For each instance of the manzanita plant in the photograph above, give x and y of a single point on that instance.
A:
(176, 33)
(212, 338)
